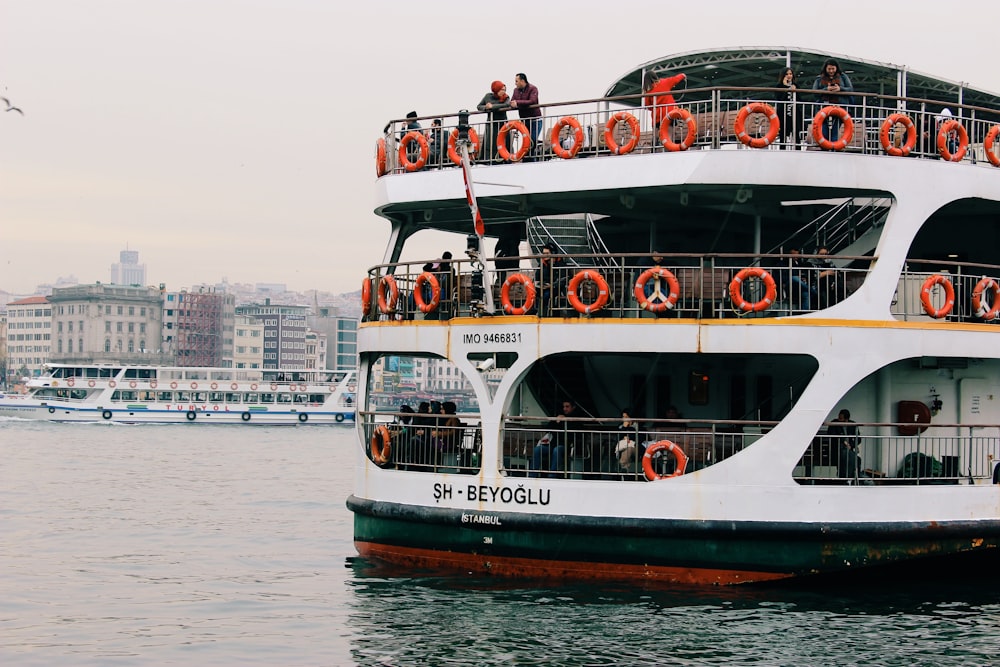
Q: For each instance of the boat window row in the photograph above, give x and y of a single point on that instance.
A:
(215, 397)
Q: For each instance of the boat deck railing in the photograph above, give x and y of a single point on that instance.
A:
(714, 119)
(881, 453)
(693, 286)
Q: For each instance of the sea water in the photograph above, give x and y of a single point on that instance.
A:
(231, 545)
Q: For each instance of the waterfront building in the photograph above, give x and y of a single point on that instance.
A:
(342, 336)
(248, 343)
(198, 326)
(284, 333)
(29, 336)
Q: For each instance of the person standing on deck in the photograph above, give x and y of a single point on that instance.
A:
(495, 103)
(658, 97)
(525, 100)
(835, 83)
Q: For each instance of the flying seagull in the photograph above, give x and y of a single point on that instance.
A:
(11, 107)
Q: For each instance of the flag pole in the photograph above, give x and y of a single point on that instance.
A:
(480, 271)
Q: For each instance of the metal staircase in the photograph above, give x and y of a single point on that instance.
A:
(571, 235)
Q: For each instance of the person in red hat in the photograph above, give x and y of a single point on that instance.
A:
(495, 103)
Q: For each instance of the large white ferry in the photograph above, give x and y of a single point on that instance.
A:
(734, 280)
(162, 394)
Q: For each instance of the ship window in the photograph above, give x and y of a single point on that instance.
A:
(165, 396)
(267, 398)
(698, 388)
(284, 398)
(233, 398)
(128, 395)
(117, 396)
(199, 396)
(183, 396)
(250, 398)
(216, 397)
(147, 396)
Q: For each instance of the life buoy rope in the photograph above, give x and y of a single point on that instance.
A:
(574, 125)
(529, 294)
(820, 118)
(988, 142)
(982, 312)
(381, 164)
(736, 290)
(380, 445)
(404, 145)
(665, 130)
(946, 128)
(657, 301)
(366, 296)
(418, 292)
(911, 135)
(609, 133)
(772, 131)
(502, 150)
(680, 458)
(453, 146)
(572, 292)
(387, 302)
(949, 295)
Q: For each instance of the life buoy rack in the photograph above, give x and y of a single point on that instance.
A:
(303, 417)
(833, 112)
(772, 130)
(911, 135)
(191, 416)
(366, 296)
(612, 125)
(380, 445)
(949, 295)
(946, 128)
(680, 458)
(404, 145)
(573, 292)
(502, 150)
(418, 292)
(381, 164)
(736, 290)
(453, 146)
(91, 383)
(982, 312)
(657, 302)
(387, 301)
(574, 125)
(529, 294)
(665, 130)
(70, 382)
(988, 142)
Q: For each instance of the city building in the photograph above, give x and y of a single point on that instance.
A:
(284, 333)
(248, 343)
(128, 270)
(198, 327)
(29, 337)
(342, 336)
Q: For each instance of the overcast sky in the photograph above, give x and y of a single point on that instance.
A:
(235, 138)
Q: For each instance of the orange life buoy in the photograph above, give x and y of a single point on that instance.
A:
(173, 385)
(70, 382)
(911, 135)
(91, 383)
(502, 141)
(609, 130)
(820, 118)
(988, 142)
(949, 295)
(692, 130)
(982, 312)
(366, 296)
(453, 146)
(387, 303)
(380, 445)
(132, 384)
(574, 125)
(381, 164)
(418, 292)
(404, 145)
(772, 131)
(657, 302)
(736, 290)
(572, 292)
(946, 128)
(679, 456)
(529, 294)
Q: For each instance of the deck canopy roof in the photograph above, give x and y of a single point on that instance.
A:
(759, 66)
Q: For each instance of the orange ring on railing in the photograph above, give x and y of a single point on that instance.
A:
(662, 303)
(380, 445)
(736, 290)
(679, 456)
(366, 296)
(949, 295)
(988, 142)
(453, 146)
(820, 118)
(911, 135)
(977, 299)
(942, 140)
(612, 124)
(741, 120)
(603, 292)
(557, 148)
(418, 293)
(387, 303)
(425, 151)
(692, 130)
(381, 164)
(502, 141)
(529, 294)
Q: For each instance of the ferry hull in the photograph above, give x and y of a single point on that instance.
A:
(153, 416)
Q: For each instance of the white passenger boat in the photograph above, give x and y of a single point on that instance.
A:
(199, 395)
(796, 274)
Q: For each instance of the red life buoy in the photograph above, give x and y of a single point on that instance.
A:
(820, 118)
(657, 302)
(366, 296)
(911, 135)
(633, 127)
(502, 141)
(418, 292)
(253, 386)
(453, 146)
(772, 131)
(91, 383)
(991, 138)
(274, 387)
(152, 384)
(387, 302)
(404, 144)
(132, 384)
(194, 385)
(679, 456)
(173, 385)
(381, 167)
(529, 294)
(380, 445)
(736, 290)
(982, 312)
(692, 130)
(112, 384)
(70, 382)
(946, 128)
(234, 386)
(574, 125)
(215, 385)
(949, 296)
(572, 292)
